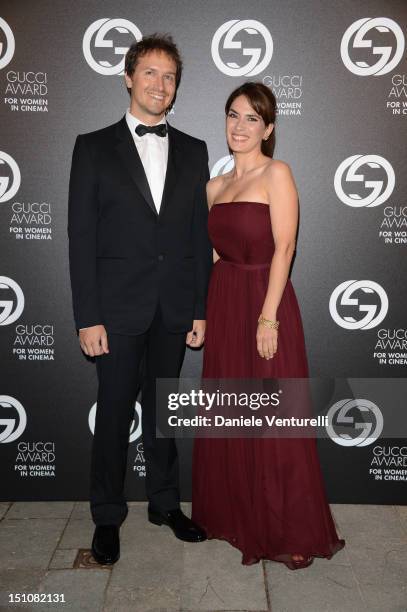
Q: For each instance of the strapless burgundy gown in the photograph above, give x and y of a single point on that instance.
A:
(265, 496)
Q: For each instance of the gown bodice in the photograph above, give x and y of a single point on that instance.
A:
(241, 232)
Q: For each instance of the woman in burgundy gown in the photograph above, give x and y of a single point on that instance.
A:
(263, 495)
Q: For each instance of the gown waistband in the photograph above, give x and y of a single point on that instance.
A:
(243, 266)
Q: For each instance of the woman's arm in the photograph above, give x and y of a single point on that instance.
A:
(284, 221)
(212, 188)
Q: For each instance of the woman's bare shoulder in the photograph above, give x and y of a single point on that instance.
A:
(213, 187)
(278, 167)
(278, 171)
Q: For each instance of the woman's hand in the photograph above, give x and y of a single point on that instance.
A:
(266, 339)
(196, 337)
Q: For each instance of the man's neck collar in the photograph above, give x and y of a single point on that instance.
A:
(137, 120)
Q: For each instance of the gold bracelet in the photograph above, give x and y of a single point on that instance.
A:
(268, 323)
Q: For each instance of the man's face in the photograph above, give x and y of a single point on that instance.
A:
(152, 86)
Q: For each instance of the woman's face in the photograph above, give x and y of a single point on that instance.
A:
(245, 129)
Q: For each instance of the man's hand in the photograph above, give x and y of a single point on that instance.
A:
(196, 336)
(93, 340)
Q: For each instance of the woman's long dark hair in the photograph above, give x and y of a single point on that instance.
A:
(263, 101)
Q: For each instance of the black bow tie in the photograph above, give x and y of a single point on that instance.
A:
(158, 130)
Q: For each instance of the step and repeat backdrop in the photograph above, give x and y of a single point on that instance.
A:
(339, 73)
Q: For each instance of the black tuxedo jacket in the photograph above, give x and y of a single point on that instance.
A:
(124, 257)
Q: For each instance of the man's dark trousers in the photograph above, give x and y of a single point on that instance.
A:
(120, 373)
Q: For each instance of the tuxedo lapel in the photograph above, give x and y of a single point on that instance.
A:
(128, 153)
(171, 174)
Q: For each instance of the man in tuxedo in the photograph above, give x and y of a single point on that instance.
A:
(140, 259)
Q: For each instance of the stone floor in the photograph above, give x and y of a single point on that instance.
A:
(40, 543)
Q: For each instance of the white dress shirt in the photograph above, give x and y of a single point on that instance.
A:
(153, 151)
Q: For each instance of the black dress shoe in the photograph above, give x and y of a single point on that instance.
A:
(106, 544)
(182, 526)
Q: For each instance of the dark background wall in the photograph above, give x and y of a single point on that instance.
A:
(339, 74)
